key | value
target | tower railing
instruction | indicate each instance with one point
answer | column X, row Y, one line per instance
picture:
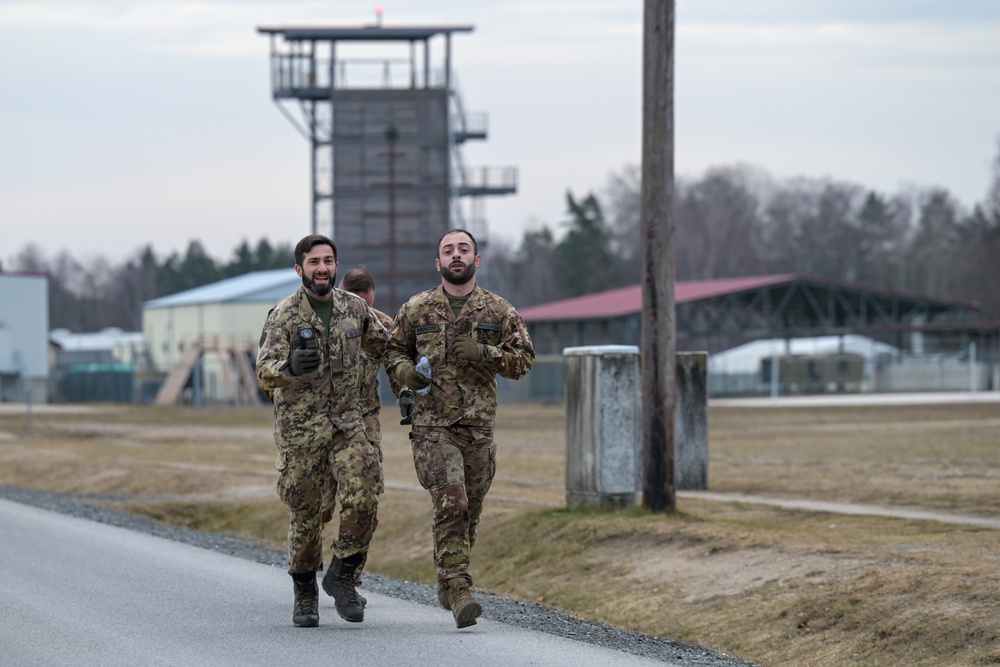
column 303, row 74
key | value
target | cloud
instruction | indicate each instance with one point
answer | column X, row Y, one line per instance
column 846, row 51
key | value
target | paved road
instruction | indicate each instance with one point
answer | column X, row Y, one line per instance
column 76, row 592
column 833, row 400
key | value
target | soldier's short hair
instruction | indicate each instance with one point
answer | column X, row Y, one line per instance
column 475, row 246
column 311, row 241
column 358, row 280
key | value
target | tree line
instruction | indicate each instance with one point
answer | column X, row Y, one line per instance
column 738, row 221
column 732, row 221
column 100, row 294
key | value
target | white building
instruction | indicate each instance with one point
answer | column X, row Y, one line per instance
column 218, row 323
column 109, row 345
column 24, row 340
column 739, row 369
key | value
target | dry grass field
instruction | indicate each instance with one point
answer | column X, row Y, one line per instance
column 773, row 586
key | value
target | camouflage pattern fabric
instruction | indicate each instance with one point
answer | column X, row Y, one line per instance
column 462, row 392
column 373, row 430
column 303, row 473
column 370, row 402
column 370, row 406
column 319, row 429
column 456, row 465
column 452, row 438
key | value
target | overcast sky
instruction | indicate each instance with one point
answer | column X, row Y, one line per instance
column 125, row 123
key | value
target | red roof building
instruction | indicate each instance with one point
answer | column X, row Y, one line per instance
column 715, row 315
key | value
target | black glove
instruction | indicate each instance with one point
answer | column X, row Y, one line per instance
column 465, row 348
column 414, row 380
column 304, row 361
column 406, row 403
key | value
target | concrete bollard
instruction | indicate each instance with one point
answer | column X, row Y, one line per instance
column 691, row 422
column 604, row 424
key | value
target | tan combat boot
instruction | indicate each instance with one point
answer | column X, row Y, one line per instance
column 443, row 595
column 464, row 607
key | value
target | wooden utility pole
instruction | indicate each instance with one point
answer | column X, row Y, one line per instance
column 659, row 492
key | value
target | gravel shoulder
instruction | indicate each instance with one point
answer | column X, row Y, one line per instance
column 520, row 613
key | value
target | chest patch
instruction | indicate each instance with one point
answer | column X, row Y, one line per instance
column 427, row 328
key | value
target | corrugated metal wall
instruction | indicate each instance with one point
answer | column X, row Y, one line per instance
column 24, row 336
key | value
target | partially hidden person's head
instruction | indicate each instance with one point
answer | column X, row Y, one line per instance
column 359, row 281
column 458, row 256
column 316, row 264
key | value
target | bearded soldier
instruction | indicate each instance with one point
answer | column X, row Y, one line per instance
column 310, row 361
column 469, row 335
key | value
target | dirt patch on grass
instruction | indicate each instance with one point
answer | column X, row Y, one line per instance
column 702, row 574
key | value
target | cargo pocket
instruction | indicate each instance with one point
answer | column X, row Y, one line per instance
column 429, row 460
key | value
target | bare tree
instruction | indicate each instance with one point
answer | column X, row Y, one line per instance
column 830, row 233
column 534, row 268
column 498, row 269
column 623, row 194
column 933, row 248
column 882, row 228
column 718, row 227
column 992, row 203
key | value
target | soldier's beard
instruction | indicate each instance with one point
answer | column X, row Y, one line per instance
column 459, row 277
column 319, row 290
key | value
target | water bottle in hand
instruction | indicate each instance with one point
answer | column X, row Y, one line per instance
column 424, row 368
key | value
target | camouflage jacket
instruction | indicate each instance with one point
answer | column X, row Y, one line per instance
column 370, row 401
column 309, row 407
column 461, row 392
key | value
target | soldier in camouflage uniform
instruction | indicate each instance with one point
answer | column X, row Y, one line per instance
column 310, row 361
column 360, row 282
column 469, row 335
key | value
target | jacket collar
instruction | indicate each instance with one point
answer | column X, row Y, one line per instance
column 338, row 301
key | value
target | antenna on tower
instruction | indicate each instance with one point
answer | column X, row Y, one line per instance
column 378, row 15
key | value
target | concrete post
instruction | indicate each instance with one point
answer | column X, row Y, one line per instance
column 691, row 421
column 604, row 424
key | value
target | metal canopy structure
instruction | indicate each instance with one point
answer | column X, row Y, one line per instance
column 713, row 314
column 802, row 306
column 382, row 112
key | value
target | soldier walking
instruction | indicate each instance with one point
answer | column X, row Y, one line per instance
column 310, row 361
column 469, row 335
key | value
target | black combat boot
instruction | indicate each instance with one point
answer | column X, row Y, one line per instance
column 357, row 584
column 305, row 613
column 338, row 582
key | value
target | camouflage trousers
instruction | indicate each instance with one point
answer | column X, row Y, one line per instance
column 456, row 464
column 374, row 431
column 304, row 472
